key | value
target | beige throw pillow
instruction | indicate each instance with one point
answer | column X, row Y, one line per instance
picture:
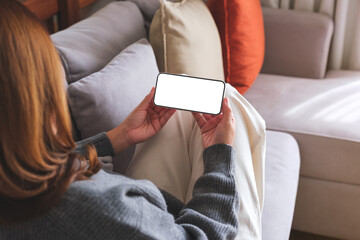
column 185, row 39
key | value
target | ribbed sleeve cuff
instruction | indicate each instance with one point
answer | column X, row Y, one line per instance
column 218, row 158
column 100, row 141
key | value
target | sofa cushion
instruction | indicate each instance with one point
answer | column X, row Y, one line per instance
column 282, row 163
column 327, row 208
column 101, row 101
column 185, row 39
column 87, row 46
column 297, row 42
column 323, row 116
column 148, row 9
column 241, row 29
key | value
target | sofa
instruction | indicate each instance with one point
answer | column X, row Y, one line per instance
column 296, row 93
column 88, row 46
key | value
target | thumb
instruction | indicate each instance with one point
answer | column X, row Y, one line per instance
column 147, row 100
column 227, row 111
column 151, row 94
column 226, row 107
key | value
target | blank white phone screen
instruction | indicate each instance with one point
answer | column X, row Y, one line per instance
column 189, row 93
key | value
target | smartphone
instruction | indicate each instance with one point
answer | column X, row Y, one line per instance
column 189, row 93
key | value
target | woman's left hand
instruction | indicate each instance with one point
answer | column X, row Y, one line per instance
column 143, row 122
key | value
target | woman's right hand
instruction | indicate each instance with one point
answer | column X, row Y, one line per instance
column 145, row 121
column 217, row 129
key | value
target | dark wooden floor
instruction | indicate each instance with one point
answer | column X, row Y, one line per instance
column 296, row 235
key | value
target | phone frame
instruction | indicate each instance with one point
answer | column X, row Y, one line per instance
column 183, row 75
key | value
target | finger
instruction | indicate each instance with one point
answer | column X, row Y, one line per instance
column 212, row 123
column 208, row 116
column 199, row 119
column 159, row 109
column 152, row 105
column 226, row 107
column 228, row 114
column 150, row 95
column 145, row 103
column 163, row 111
column 151, row 111
column 166, row 116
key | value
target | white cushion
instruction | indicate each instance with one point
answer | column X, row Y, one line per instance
column 186, row 40
column 323, row 116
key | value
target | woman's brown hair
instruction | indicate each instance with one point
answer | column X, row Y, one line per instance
column 36, row 160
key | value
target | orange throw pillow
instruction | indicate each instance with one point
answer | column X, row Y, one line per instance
column 241, row 27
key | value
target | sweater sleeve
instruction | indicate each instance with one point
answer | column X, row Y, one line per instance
column 213, row 210
column 174, row 205
column 114, row 207
column 100, row 141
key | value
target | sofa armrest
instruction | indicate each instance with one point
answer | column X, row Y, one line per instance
column 296, row 42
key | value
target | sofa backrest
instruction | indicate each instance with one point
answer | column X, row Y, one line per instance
column 87, row 46
column 147, row 8
column 296, row 42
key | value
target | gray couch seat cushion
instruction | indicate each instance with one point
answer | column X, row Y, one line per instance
column 282, row 163
column 87, row 46
column 101, row 101
column 323, row 116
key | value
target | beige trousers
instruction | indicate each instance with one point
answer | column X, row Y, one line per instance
column 173, row 160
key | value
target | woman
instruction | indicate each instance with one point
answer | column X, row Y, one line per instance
column 47, row 191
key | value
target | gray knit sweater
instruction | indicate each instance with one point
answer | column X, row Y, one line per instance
column 112, row 206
